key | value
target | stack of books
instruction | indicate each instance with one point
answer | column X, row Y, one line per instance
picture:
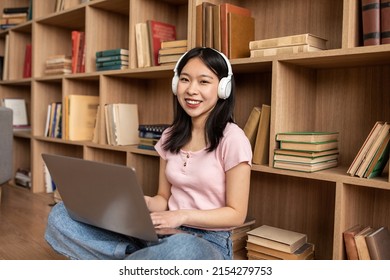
column 306, row 151
column 287, row 45
column 58, row 65
column 13, row 16
column 239, row 238
column 272, row 243
column 373, row 155
column 367, row 243
column 149, row 134
column 171, row 51
column 23, row 177
column 113, row 59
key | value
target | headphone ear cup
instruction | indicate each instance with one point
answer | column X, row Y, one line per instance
column 175, row 81
column 224, row 88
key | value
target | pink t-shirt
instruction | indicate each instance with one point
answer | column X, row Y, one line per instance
column 198, row 178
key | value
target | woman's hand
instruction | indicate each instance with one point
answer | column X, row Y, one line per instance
column 168, row 219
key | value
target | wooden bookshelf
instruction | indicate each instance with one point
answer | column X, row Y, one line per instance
column 342, row 89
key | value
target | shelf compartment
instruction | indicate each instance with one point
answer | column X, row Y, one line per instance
column 59, row 148
column 297, row 204
column 345, row 99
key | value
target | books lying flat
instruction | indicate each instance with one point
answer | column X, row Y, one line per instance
column 283, row 50
column 112, row 52
column 307, row 146
column 277, row 238
column 308, row 154
column 305, row 252
column 378, row 243
column 292, row 40
column 304, row 167
column 307, row 136
column 307, row 160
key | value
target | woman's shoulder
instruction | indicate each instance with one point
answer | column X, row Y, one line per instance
column 234, row 132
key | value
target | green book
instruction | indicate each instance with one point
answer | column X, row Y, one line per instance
column 112, row 52
column 112, row 58
column 112, row 67
column 380, row 160
column 110, row 63
column 307, row 136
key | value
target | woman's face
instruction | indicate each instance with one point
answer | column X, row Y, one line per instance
column 197, row 89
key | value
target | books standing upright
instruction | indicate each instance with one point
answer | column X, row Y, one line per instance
column 261, row 151
column 378, row 243
column 158, row 32
column 371, row 22
column 81, row 116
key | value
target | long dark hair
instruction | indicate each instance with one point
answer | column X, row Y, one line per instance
column 180, row 131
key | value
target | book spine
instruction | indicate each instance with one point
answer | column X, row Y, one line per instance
column 15, row 10
column 112, row 67
column 111, row 58
column 385, row 21
column 371, row 22
column 112, row 52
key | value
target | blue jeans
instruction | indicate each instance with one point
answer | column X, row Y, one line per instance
column 81, row 241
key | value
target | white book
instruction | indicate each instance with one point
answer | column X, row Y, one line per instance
column 18, row 106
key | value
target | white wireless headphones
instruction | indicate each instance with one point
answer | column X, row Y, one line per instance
column 224, row 86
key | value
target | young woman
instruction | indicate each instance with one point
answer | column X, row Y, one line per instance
column 205, row 162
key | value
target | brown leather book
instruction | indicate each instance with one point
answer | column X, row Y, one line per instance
column 385, row 21
column 349, row 242
column 241, row 31
column 371, row 22
column 378, row 244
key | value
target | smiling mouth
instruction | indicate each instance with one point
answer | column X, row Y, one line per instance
column 193, row 102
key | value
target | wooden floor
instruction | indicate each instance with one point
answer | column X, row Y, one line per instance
column 23, row 217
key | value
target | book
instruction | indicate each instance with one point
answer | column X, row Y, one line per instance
column 112, row 58
column 361, row 244
column 217, row 27
column 142, row 45
column 111, row 63
column 307, row 160
column 252, row 125
column 292, row 40
column 372, row 149
column 365, row 146
column 201, row 23
column 111, row 52
column 241, row 31
column 27, row 62
column 305, row 167
column 6, row 58
column 304, row 252
column 261, row 151
column 349, row 242
column 225, row 9
column 370, row 22
column 283, row 50
column 378, row 243
column 379, row 161
column 159, row 31
column 173, row 44
column 81, row 110
column 19, row 110
column 122, row 124
column 111, row 67
column 308, row 154
column 277, row 238
column 172, row 58
column 385, row 21
column 159, row 128
column 309, row 146
column 173, row 50
column 307, row 136
column 15, row 10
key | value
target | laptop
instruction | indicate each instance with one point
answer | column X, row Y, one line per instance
column 104, row 195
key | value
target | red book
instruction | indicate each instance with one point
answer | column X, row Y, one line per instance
column 158, row 32
column 385, row 21
column 27, row 62
column 75, row 49
column 371, row 22
column 227, row 8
